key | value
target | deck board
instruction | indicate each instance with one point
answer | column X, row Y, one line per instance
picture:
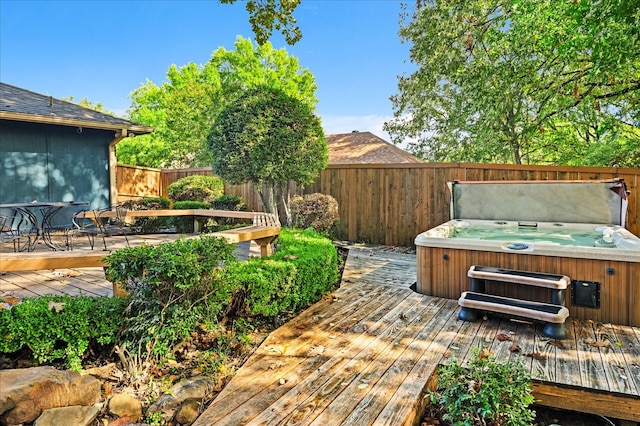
column 366, row 354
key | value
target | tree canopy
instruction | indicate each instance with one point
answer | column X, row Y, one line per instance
column 268, row 138
column 182, row 109
column 265, row 15
column 523, row 81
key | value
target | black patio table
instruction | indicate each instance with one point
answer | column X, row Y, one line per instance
column 42, row 223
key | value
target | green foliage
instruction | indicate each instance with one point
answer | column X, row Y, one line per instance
column 316, row 261
column 304, row 268
column 184, row 225
column 173, row 288
column 182, row 109
column 196, row 188
column 149, row 225
column 520, row 81
column 484, row 393
column 229, row 202
column 268, row 138
column 96, row 106
column 317, row 211
column 264, row 16
column 191, row 205
column 61, row 327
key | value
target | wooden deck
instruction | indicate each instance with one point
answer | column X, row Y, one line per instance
column 74, row 281
column 366, row 354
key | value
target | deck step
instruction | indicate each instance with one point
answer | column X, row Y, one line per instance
column 523, row 308
column 538, row 279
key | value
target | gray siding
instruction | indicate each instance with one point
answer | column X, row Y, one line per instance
column 53, row 163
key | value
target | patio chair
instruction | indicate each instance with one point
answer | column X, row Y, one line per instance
column 104, row 222
column 58, row 223
column 14, row 229
column 84, row 224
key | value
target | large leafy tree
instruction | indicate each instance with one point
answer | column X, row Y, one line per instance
column 523, row 81
column 268, row 138
column 182, row 109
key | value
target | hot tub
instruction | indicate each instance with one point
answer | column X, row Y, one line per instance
column 601, row 257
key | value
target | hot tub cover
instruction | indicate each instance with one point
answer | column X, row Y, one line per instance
column 599, row 201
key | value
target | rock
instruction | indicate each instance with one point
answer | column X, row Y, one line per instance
column 76, row 415
column 194, row 388
column 188, row 412
column 32, row 390
column 106, row 372
column 123, row 404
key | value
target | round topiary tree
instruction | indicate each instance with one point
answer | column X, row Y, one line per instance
column 268, row 138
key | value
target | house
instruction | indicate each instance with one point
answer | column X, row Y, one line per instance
column 365, row 148
column 52, row 150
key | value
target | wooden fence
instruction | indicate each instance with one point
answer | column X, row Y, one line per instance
column 392, row 203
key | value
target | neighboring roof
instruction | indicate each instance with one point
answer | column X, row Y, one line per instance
column 23, row 105
column 365, row 147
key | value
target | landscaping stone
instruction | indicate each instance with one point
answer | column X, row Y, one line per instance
column 188, row 412
column 33, row 390
column 123, row 404
column 194, row 388
column 76, row 415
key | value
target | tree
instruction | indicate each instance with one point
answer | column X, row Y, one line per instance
column 265, row 15
column 182, row 109
column 268, row 138
column 85, row 102
column 501, row 81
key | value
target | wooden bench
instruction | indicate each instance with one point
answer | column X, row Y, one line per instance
column 264, row 231
column 554, row 313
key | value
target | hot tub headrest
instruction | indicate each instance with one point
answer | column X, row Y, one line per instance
column 545, row 201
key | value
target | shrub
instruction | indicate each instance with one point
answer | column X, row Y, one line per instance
column 317, row 211
column 191, row 205
column 150, row 224
column 485, row 393
column 304, row 267
column 196, row 188
column 173, row 287
column 229, row 202
column 60, row 327
column 184, row 225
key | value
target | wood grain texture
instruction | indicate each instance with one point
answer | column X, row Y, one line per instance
column 366, row 355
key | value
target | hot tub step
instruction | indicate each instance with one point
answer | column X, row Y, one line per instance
column 553, row 315
column 538, row 279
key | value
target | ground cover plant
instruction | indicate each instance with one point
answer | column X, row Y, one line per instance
column 484, row 392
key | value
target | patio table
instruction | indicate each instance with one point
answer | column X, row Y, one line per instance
column 40, row 214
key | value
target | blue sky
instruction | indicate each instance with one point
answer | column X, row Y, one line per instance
column 103, row 50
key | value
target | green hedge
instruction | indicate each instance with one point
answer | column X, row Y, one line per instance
column 173, row 289
column 60, row 327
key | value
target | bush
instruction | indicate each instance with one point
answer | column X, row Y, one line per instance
column 229, row 202
column 173, row 287
column 61, row 327
column 150, row 224
column 196, row 188
column 317, row 211
column 184, row 225
column 485, row 393
column 304, row 267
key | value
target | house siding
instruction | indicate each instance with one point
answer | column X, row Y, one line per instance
column 53, row 163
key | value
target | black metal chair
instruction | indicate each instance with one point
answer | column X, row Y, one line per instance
column 104, row 222
column 58, row 223
column 15, row 229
